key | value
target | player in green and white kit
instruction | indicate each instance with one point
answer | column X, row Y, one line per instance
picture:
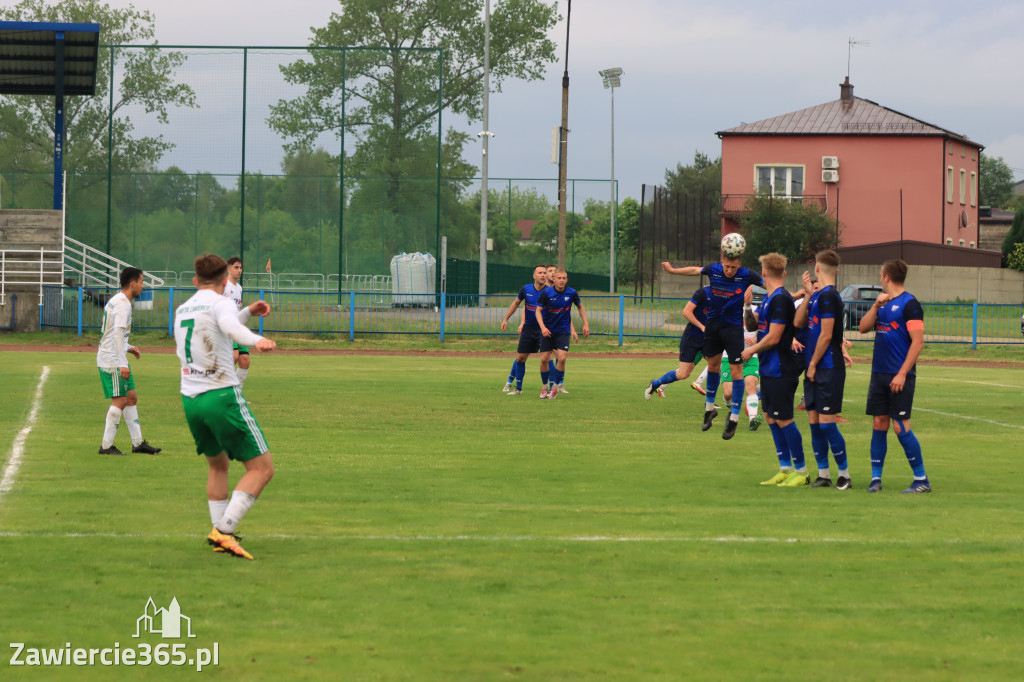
column 220, row 421
column 115, row 374
column 233, row 290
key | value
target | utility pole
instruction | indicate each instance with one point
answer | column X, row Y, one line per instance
column 563, row 134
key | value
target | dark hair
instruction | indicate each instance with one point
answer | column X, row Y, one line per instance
column 210, row 269
column 828, row 258
column 895, row 270
column 233, row 260
column 129, row 275
column 540, row 265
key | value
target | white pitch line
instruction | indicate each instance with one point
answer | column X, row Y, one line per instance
column 973, row 419
column 18, row 449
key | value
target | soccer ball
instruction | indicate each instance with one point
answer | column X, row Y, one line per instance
column 733, row 244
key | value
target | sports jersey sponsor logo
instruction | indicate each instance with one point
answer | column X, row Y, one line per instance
column 189, row 371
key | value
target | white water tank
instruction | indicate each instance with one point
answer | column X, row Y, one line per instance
column 412, row 279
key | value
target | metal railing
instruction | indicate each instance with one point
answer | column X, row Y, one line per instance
column 33, row 267
column 92, row 267
column 369, row 313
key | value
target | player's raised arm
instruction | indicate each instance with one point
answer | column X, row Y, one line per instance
column 691, row 270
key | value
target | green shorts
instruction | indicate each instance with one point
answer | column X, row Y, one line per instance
column 220, row 421
column 242, row 350
column 751, row 368
column 113, row 385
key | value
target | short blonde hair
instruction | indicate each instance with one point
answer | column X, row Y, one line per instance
column 774, row 264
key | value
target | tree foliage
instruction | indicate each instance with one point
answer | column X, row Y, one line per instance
column 147, row 82
column 703, row 176
column 787, row 227
column 392, row 99
column 995, row 182
column 1015, row 259
column 1015, row 236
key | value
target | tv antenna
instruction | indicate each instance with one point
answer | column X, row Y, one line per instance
column 853, row 42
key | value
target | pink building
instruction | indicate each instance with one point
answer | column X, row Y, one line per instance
column 886, row 176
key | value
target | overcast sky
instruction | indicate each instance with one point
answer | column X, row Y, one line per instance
column 693, row 68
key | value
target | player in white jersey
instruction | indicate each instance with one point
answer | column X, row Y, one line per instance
column 233, row 290
column 115, row 374
column 220, row 421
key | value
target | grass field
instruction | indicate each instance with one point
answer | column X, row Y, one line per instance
column 424, row 526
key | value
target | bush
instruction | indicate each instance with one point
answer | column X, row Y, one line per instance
column 777, row 225
column 1015, row 259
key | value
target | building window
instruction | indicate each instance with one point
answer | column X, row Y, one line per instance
column 962, row 242
column 963, row 187
column 949, row 184
column 949, row 148
column 963, row 151
column 974, row 188
column 972, row 245
column 782, row 181
column 949, row 241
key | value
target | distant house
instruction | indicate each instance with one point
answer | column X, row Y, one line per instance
column 525, row 227
column 994, row 224
column 885, row 176
column 1018, row 187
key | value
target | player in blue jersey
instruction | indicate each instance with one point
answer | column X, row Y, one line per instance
column 825, row 374
column 554, row 315
column 691, row 344
column 779, row 372
column 724, row 331
column 529, row 331
column 898, row 320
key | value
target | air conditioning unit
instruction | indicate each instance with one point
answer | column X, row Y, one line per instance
column 831, row 162
column 830, row 176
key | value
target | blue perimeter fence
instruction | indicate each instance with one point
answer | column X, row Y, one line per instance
column 353, row 314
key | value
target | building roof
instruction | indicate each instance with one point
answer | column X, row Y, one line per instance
column 525, row 228
column 847, row 115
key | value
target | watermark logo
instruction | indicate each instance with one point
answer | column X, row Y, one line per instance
column 169, row 623
column 164, row 622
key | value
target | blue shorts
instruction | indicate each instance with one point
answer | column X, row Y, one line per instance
column 777, row 396
column 691, row 349
column 555, row 342
column 824, row 395
column 882, row 402
column 721, row 337
column 529, row 340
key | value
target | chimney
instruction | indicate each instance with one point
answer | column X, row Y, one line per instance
column 846, row 90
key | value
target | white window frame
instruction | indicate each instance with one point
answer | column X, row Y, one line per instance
column 963, row 187
column 949, row 184
column 974, row 188
column 788, row 193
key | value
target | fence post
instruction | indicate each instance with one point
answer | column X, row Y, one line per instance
column 622, row 316
column 170, row 311
column 81, row 298
column 444, row 305
column 352, row 315
column 261, row 316
column 974, row 334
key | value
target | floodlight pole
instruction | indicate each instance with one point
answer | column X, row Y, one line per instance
column 563, row 134
column 58, row 120
column 612, row 79
column 486, row 135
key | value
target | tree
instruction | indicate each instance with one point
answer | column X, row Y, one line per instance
column 392, row 96
column 702, row 176
column 1015, row 236
column 995, row 182
column 787, row 227
column 147, row 82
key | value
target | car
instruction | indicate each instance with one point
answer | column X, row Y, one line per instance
column 857, row 300
column 1022, row 324
column 758, row 294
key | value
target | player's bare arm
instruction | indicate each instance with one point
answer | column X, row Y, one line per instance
column 867, row 323
column 916, row 330
column 824, row 338
column 259, row 309
column 135, row 351
column 690, row 270
column 540, row 320
column 508, row 315
column 586, row 324
column 688, row 313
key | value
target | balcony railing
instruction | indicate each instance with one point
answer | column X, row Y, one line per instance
column 734, row 205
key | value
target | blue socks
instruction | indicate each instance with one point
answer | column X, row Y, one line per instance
column 512, row 372
column 878, row 448
column 781, row 448
column 520, row 372
column 830, row 432
column 544, row 372
column 913, row 450
column 667, row 378
column 714, row 378
column 819, row 445
column 737, row 395
column 796, row 445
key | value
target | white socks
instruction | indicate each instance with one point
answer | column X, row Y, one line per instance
column 131, row 418
column 240, row 504
column 752, row 403
column 241, row 374
column 217, row 508
column 110, row 429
